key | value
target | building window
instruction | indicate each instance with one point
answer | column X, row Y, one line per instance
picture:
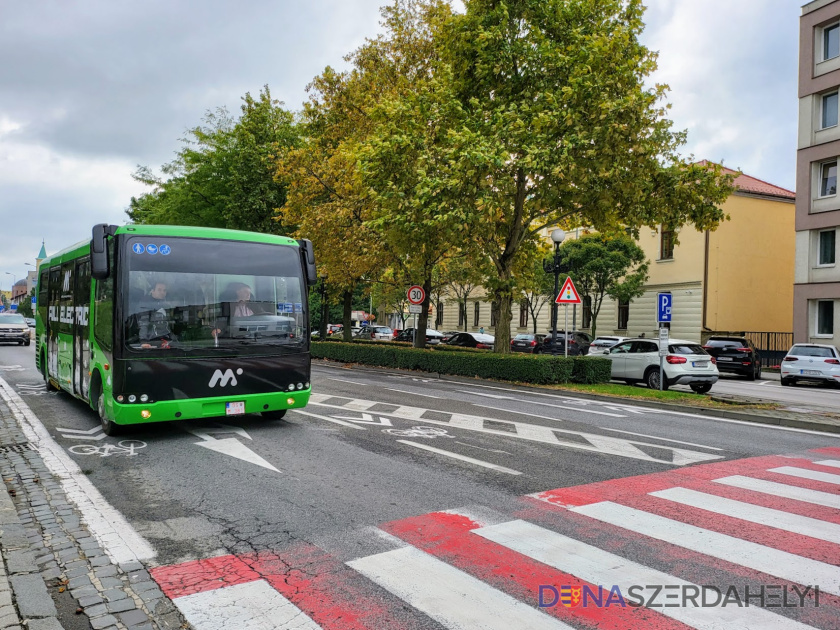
column 829, row 110
column 439, row 317
column 494, row 313
column 587, row 311
column 476, row 313
column 623, row 314
column 523, row 314
column 825, row 317
column 666, row 244
column 828, row 247
column 831, row 42
column 462, row 314
column 828, row 179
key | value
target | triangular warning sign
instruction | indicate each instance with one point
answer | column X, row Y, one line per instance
column 568, row 294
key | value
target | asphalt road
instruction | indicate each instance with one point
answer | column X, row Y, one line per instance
column 382, row 464
column 802, row 394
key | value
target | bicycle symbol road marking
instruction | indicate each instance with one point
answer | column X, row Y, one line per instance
column 128, row 448
column 422, row 432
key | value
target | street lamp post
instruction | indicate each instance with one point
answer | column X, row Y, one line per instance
column 554, row 266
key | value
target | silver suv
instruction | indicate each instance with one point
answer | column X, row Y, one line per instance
column 13, row 328
column 687, row 363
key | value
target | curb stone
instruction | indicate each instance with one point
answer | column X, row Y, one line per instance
column 46, row 546
column 773, row 417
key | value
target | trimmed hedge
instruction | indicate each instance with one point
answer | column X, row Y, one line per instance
column 591, row 370
column 525, row 368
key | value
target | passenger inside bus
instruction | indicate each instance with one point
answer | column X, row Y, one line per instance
column 153, row 322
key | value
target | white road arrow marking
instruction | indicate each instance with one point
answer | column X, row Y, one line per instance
column 12, row 368
column 367, row 419
column 95, row 434
column 217, row 427
column 235, row 448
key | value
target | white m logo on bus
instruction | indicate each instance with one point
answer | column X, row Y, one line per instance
column 66, row 281
column 224, row 378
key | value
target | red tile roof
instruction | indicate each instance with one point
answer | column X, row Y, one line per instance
column 756, row 186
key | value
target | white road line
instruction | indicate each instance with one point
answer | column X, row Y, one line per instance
column 829, row 462
column 656, row 437
column 804, row 473
column 341, row 380
column 521, row 413
column 489, row 450
column 463, row 458
column 253, row 605
column 782, row 490
column 110, row 528
column 328, row 419
column 780, row 564
column 464, row 391
column 596, row 566
column 451, row 597
column 402, row 391
column 559, row 406
column 777, row 519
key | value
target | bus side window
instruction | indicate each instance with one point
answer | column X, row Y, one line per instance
column 103, row 311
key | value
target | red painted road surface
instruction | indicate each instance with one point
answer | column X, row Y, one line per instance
column 766, row 521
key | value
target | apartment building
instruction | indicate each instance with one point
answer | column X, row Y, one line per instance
column 816, row 296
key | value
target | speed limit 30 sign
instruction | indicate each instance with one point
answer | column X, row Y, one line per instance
column 416, row 294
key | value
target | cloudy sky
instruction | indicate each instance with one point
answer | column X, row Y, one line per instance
column 91, row 89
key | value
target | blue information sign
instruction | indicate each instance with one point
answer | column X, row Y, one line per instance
column 665, row 302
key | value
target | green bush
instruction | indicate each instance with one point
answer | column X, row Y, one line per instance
column 523, row 368
column 591, row 370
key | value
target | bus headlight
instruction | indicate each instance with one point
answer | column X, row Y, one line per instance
column 120, row 398
column 291, row 387
column 306, row 385
column 144, row 398
column 132, row 398
column 300, row 386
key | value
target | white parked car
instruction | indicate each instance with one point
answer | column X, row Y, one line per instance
column 381, row 332
column 811, row 362
column 637, row 361
column 600, row 345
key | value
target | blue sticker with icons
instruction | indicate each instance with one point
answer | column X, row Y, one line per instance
column 151, row 249
column 165, row 250
column 288, row 307
column 138, row 248
column 298, row 307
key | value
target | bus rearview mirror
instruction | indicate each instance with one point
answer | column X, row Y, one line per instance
column 100, row 267
column 307, row 254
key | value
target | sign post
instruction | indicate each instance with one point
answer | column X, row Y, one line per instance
column 664, row 302
column 568, row 295
column 416, row 295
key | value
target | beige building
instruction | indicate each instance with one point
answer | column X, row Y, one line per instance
column 816, row 304
column 738, row 278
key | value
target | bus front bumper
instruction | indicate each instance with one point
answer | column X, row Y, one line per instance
column 194, row 408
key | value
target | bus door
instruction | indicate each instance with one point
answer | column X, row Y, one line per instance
column 81, row 338
column 65, row 325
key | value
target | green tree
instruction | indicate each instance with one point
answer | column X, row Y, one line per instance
column 605, row 266
column 563, row 131
column 224, row 176
column 537, row 290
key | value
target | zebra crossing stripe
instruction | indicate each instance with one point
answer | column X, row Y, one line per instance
column 781, row 564
column 253, row 605
column 817, row 497
column 451, row 597
column 831, row 463
column 778, row 519
column 805, row 473
column 601, row 567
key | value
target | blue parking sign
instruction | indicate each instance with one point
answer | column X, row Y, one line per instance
column 665, row 302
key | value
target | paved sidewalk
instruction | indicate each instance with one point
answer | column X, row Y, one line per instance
column 54, row 574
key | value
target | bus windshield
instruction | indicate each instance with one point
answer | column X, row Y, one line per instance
column 188, row 295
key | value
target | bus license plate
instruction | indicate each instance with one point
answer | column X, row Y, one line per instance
column 234, row 408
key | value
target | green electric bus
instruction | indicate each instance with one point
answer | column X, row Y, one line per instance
column 155, row 323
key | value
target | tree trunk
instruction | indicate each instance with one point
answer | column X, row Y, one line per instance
column 423, row 320
column 504, row 298
column 348, row 313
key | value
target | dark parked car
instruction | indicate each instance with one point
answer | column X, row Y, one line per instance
column 737, row 355
column 448, row 334
column 432, row 336
column 526, row 342
column 578, row 343
column 472, row 340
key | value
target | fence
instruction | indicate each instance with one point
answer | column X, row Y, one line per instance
column 772, row 346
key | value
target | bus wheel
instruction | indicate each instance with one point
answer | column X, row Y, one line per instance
column 108, row 427
column 277, row 414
